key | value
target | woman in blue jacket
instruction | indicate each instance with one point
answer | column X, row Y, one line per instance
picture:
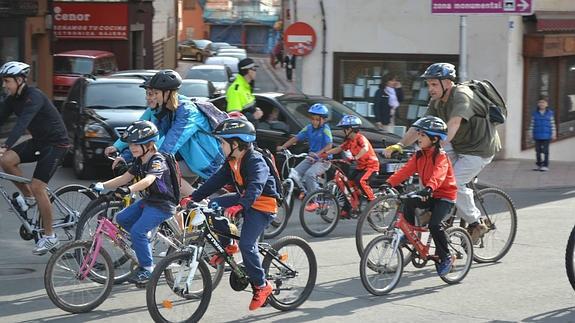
column 184, row 130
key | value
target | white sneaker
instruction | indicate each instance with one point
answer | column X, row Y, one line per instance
column 45, row 244
column 544, row 169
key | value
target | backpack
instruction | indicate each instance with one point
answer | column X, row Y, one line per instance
column 214, row 115
column 271, row 162
column 497, row 109
column 175, row 174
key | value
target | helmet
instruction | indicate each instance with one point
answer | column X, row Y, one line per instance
column 236, row 128
column 14, row 69
column 146, row 83
column 236, row 115
column 432, row 126
column 440, row 71
column 140, row 132
column 165, row 80
column 349, row 121
column 319, row 109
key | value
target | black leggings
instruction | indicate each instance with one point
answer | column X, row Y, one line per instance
column 439, row 210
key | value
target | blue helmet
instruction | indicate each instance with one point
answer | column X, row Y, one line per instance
column 236, row 128
column 432, row 126
column 440, row 71
column 349, row 121
column 140, row 132
column 319, row 109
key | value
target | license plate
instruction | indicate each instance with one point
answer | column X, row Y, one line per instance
column 392, row 167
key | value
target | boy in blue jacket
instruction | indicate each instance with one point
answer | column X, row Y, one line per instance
column 543, row 130
column 255, row 197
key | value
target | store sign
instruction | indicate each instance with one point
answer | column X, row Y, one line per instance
column 470, row 7
column 75, row 20
column 299, row 38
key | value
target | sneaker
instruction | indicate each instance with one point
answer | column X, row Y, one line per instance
column 311, row 207
column 45, row 244
column 445, row 266
column 141, row 277
column 544, row 169
column 538, row 168
column 344, row 215
column 477, row 230
column 260, row 296
column 217, row 259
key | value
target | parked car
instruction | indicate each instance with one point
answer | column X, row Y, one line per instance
column 142, row 74
column 293, row 116
column 220, row 75
column 194, row 49
column 68, row 66
column 231, row 62
column 199, row 90
column 231, row 50
column 96, row 112
column 237, row 55
column 214, row 47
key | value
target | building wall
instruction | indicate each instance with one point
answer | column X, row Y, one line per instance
column 165, row 30
column 192, row 24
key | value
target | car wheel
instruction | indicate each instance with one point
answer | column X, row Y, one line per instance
column 199, row 57
column 81, row 168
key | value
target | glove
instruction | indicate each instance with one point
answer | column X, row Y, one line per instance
column 233, row 211
column 98, row 187
column 186, row 201
column 123, row 191
column 397, row 147
column 425, row 193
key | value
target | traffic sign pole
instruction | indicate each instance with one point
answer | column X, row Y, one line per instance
column 462, row 48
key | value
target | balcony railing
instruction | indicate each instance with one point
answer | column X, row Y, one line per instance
column 18, row 7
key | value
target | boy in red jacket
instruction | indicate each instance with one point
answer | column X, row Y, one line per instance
column 436, row 175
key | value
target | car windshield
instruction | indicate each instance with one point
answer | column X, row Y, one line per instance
column 214, row 75
column 202, row 43
column 126, row 95
column 298, row 108
column 73, row 65
column 194, row 90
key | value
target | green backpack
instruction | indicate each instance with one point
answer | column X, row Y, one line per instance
column 497, row 109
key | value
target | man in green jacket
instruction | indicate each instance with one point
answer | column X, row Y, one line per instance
column 239, row 94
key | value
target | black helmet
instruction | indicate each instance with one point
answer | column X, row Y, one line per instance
column 236, row 128
column 432, row 126
column 165, row 80
column 440, row 71
column 140, row 132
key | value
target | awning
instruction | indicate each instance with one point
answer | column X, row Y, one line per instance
column 555, row 21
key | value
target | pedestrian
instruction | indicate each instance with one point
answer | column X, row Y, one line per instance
column 277, row 54
column 542, row 130
column 387, row 100
column 289, row 63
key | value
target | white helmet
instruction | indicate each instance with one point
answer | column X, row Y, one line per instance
column 14, row 68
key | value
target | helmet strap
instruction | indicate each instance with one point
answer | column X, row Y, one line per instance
column 20, row 86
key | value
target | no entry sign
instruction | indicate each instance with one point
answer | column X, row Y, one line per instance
column 299, row 38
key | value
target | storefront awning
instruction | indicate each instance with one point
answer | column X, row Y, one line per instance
column 555, row 21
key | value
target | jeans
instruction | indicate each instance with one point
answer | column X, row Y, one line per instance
column 465, row 168
column 542, row 147
column 138, row 219
column 255, row 222
column 309, row 170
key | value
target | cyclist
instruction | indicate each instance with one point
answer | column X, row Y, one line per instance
column 436, row 176
column 48, row 145
column 471, row 140
column 255, row 197
column 184, row 130
column 362, row 153
column 239, row 95
column 318, row 134
column 158, row 201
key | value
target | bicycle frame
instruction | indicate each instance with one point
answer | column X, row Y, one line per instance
column 410, row 231
column 346, row 186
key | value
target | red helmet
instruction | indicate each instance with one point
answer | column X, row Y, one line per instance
column 236, row 115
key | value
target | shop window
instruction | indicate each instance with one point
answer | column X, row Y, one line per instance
column 357, row 76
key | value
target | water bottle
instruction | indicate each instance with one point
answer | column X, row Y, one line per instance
column 22, row 206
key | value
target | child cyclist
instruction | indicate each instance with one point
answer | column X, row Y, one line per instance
column 436, row 175
column 362, row 152
column 158, row 201
column 255, row 197
column 318, row 135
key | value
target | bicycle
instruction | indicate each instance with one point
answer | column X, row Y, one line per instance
column 181, row 280
column 67, row 203
column 382, row 262
column 87, row 262
column 570, row 258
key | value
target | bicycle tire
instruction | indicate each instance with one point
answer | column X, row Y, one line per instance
column 371, row 261
column 52, row 265
column 481, row 250
column 460, row 248
column 378, row 224
column 279, row 279
column 279, row 223
column 328, row 202
column 155, row 309
column 570, row 258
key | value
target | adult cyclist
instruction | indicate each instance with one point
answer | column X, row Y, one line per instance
column 48, row 145
column 471, row 140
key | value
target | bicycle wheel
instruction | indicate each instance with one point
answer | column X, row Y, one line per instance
column 460, row 246
column 75, row 201
column 182, row 299
column 63, row 282
column 279, row 223
column 381, row 267
column 314, row 221
column 87, row 226
column 293, row 276
column 570, row 258
column 374, row 220
column 501, row 224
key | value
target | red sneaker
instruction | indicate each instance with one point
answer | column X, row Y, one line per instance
column 217, row 259
column 311, row 207
column 260, row 296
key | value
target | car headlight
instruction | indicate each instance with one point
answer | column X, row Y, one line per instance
column 94, row 130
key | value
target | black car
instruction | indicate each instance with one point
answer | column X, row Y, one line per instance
column 293, row 116
column 96, row 112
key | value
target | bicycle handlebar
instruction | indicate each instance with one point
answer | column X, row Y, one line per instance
column 288, row 154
